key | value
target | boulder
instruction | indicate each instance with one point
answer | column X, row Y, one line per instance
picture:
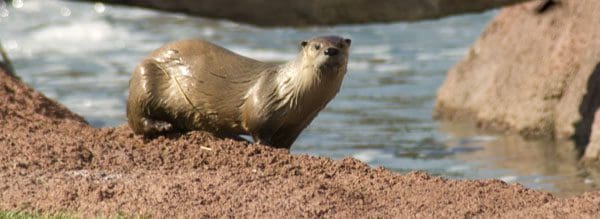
column 534, row 72
column 318, row 12
column 593, row 149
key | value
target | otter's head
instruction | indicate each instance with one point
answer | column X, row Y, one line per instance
column 327, row 54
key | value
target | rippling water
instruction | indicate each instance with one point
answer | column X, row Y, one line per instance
column 82, row 54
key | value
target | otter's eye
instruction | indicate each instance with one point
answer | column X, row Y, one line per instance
column 317, row 47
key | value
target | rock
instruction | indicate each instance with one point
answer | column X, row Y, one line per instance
column 318, row 12
column 593, row 149
column 534, row 72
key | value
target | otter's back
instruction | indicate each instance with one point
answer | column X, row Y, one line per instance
column 212, row 79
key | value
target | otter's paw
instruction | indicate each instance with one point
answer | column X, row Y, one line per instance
column 155, row 126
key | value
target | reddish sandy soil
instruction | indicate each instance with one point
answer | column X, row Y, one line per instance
column 52, row 160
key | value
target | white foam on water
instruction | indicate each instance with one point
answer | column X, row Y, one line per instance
column 508, row 178
column 4, row 13
column 94, row 107
column 65, row 11
column 458, row 168
column 391, row 67
column 442, row 55
column 99, row 7
column 370, row 49
column 17, row 3
column 355, row 65
column 448, row 30
column 208, row 32
column 11, row 45
column 77, row 37
column 30, row 6
column 367, row 155
column 383, row 56
column 483, row 138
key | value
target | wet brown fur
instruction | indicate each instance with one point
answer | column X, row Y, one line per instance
column 196, row 85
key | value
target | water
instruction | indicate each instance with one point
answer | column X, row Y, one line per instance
column 82, row 54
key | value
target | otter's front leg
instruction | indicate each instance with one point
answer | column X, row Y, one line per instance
column 263, row 128
column 264, row 137
column 286, row 136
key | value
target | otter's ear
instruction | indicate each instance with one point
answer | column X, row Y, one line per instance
column 348, row 41
column 303, row 43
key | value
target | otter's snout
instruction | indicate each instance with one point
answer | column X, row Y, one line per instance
column 332, row 51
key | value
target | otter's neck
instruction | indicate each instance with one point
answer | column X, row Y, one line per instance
column 300, row 82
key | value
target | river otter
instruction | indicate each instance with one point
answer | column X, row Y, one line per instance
column 196, row 85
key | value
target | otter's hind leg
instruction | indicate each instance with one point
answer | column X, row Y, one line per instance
column 152, row 126
column 143, row 107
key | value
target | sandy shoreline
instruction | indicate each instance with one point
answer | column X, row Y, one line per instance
column 51, row 160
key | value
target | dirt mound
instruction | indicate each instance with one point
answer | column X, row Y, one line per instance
column 51, row 160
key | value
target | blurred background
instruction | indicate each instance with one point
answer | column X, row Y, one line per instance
column 82, row 54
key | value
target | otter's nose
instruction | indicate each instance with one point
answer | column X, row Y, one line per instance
column 331, row 51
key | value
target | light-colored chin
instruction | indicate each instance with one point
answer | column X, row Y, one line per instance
column 332, row 65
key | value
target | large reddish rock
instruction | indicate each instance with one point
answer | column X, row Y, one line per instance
column 592, row 151
column 531, row 72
